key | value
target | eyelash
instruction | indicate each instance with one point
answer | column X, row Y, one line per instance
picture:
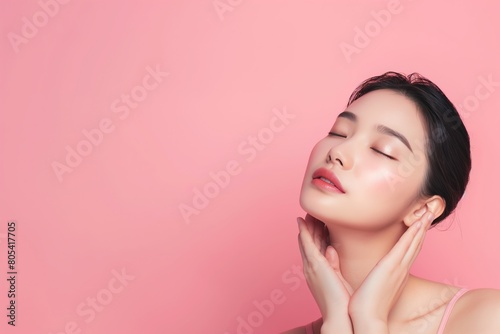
column 337, row 135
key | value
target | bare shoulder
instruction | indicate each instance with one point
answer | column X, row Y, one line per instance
column 477, row 311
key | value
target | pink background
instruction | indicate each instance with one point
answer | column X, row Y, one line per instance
column 229, row 73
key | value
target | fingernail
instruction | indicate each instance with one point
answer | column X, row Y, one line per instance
column 431, row 217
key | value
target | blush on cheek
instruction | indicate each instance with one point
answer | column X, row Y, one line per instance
column 392, row 180
column 383, row 181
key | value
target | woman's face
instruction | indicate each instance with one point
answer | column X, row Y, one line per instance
column 379, row 190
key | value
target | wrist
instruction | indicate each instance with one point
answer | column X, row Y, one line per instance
column 367, row 321
column 337, row 326
column 368, row 325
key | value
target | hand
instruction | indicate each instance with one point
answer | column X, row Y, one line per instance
column 380, row 290
column 321, row 269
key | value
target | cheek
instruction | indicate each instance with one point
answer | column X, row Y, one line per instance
column 382, row 179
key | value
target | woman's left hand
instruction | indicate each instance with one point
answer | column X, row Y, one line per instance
column 375, row 297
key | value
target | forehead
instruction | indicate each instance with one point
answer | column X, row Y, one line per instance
column 392, row 109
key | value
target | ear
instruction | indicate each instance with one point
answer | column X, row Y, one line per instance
column 435, row 204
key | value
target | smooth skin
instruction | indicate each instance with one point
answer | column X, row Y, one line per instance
column 370, row 304
column 476, row 312
column 357, row 247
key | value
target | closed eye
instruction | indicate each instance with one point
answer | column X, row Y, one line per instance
column 342, row 136
column 336, row 135
column 384, row 154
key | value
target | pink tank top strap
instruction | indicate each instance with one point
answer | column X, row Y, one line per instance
column 309, row 328
column 449, row 308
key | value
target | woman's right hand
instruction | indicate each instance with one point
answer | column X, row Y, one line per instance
column 324, row 279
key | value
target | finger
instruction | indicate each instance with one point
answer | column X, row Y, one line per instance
column 333, row 260
column 301, row 247
column 414, row 247
column 307, row 224
column 401, row 247
column 316, row 234
column 316, row 230
column 332, row 257
column 319, row 236
column 308, row 247
column 421, row 237
column 305, row 227
column 324, row 235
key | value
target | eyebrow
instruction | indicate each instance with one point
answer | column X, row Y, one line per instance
column 380, row 128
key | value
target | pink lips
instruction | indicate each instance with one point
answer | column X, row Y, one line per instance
column 328, row 175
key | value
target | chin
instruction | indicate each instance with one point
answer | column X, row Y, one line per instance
column 320, row 209
column 312, row 208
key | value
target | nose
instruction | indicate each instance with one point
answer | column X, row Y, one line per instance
column 337, row 157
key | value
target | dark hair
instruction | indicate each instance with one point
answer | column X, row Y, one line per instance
column 447, row 144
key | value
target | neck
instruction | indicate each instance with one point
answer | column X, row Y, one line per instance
column 360, row 250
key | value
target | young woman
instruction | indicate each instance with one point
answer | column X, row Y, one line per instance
column 395, row 163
